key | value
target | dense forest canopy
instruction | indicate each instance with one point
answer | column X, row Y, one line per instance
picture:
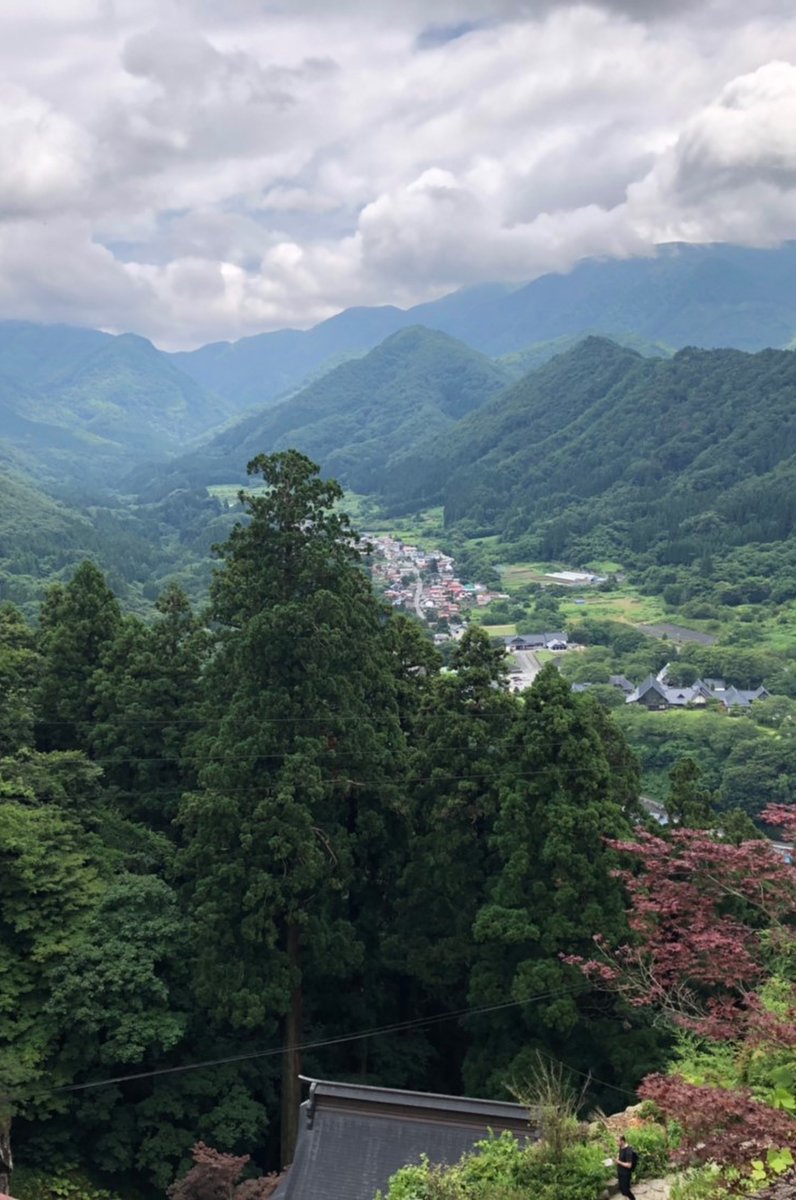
column 280, row 822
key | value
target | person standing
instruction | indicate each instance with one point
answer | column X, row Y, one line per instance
column 625, row 1162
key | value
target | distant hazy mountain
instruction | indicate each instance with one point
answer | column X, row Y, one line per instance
column 76, row 402
column 36, row 355
column 359, row 419
column 257, row 370
column 707, row 296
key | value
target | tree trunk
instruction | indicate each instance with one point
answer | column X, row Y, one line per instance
column 291, row 1057
column 6, row 1159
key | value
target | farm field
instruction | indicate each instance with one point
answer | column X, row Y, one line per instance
column 508, row 629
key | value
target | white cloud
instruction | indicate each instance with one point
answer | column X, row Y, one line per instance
column 731, row 174
column 45, row 158
column 194, row 169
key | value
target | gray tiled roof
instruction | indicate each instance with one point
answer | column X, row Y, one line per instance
column 353, row 1138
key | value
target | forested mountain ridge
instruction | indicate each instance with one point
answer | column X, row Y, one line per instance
column 703, row 295
column 602, row 452
column 359, row 419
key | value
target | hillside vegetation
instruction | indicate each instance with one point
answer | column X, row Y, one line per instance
column 604, row 454
column 359, row 419
column 75, row 403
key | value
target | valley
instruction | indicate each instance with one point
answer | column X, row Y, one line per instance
column 272, row 727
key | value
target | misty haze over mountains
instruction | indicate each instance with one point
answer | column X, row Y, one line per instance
column 77, row 402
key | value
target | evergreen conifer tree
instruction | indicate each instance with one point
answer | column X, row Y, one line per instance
column 295, row 820
column 76, row 624
column 559, row 798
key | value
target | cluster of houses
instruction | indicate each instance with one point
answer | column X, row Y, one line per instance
column 423, row 582
column 656, row 694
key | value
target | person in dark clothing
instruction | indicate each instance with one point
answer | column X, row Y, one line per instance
column 625, row 1164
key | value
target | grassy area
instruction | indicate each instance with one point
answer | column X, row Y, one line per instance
column 604, row 566
column 625, row 604
column 227, row 493
column 773, row 631
column 508, row 630
column 514, row 575
column 424, row 528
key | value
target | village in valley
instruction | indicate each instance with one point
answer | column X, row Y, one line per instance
column 425, row 582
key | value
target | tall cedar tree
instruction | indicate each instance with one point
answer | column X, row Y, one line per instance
column 76, row 624
column 562, row 792
column 293, row 829
column 458, row 753
column 145, row 696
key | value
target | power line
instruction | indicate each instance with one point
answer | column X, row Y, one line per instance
column 274, row 1051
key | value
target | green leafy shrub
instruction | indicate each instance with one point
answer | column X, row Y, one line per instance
column 712, row 1182
column 654, row 1146
column 503, row 1169
column 68, row 1183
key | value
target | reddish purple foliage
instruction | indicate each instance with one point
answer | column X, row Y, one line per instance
column 705, row 915
column 718, row 1124
column 707, row 919
column 214, row 1176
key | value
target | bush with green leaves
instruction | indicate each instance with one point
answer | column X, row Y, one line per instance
column 69, row 1183
column 503, row 1168
column 653, row 1144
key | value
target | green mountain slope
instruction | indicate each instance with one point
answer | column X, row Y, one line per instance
column 38, row 536
column 603, row 451
column 37, row 355
column 128, row 392
column 359, row 420
column 94, row 408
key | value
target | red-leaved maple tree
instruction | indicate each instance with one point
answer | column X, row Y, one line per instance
column 215, row 1176
column 711, row 922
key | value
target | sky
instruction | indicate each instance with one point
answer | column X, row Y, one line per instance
column 198, row 170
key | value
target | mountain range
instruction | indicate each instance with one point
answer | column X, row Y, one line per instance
column 358, row 420
column 600, row 452
column 708, row 296
column 497, row 402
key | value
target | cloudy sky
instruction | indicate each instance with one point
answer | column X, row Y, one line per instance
column 203, row 169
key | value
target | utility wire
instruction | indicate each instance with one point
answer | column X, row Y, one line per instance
column 379, row 1031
